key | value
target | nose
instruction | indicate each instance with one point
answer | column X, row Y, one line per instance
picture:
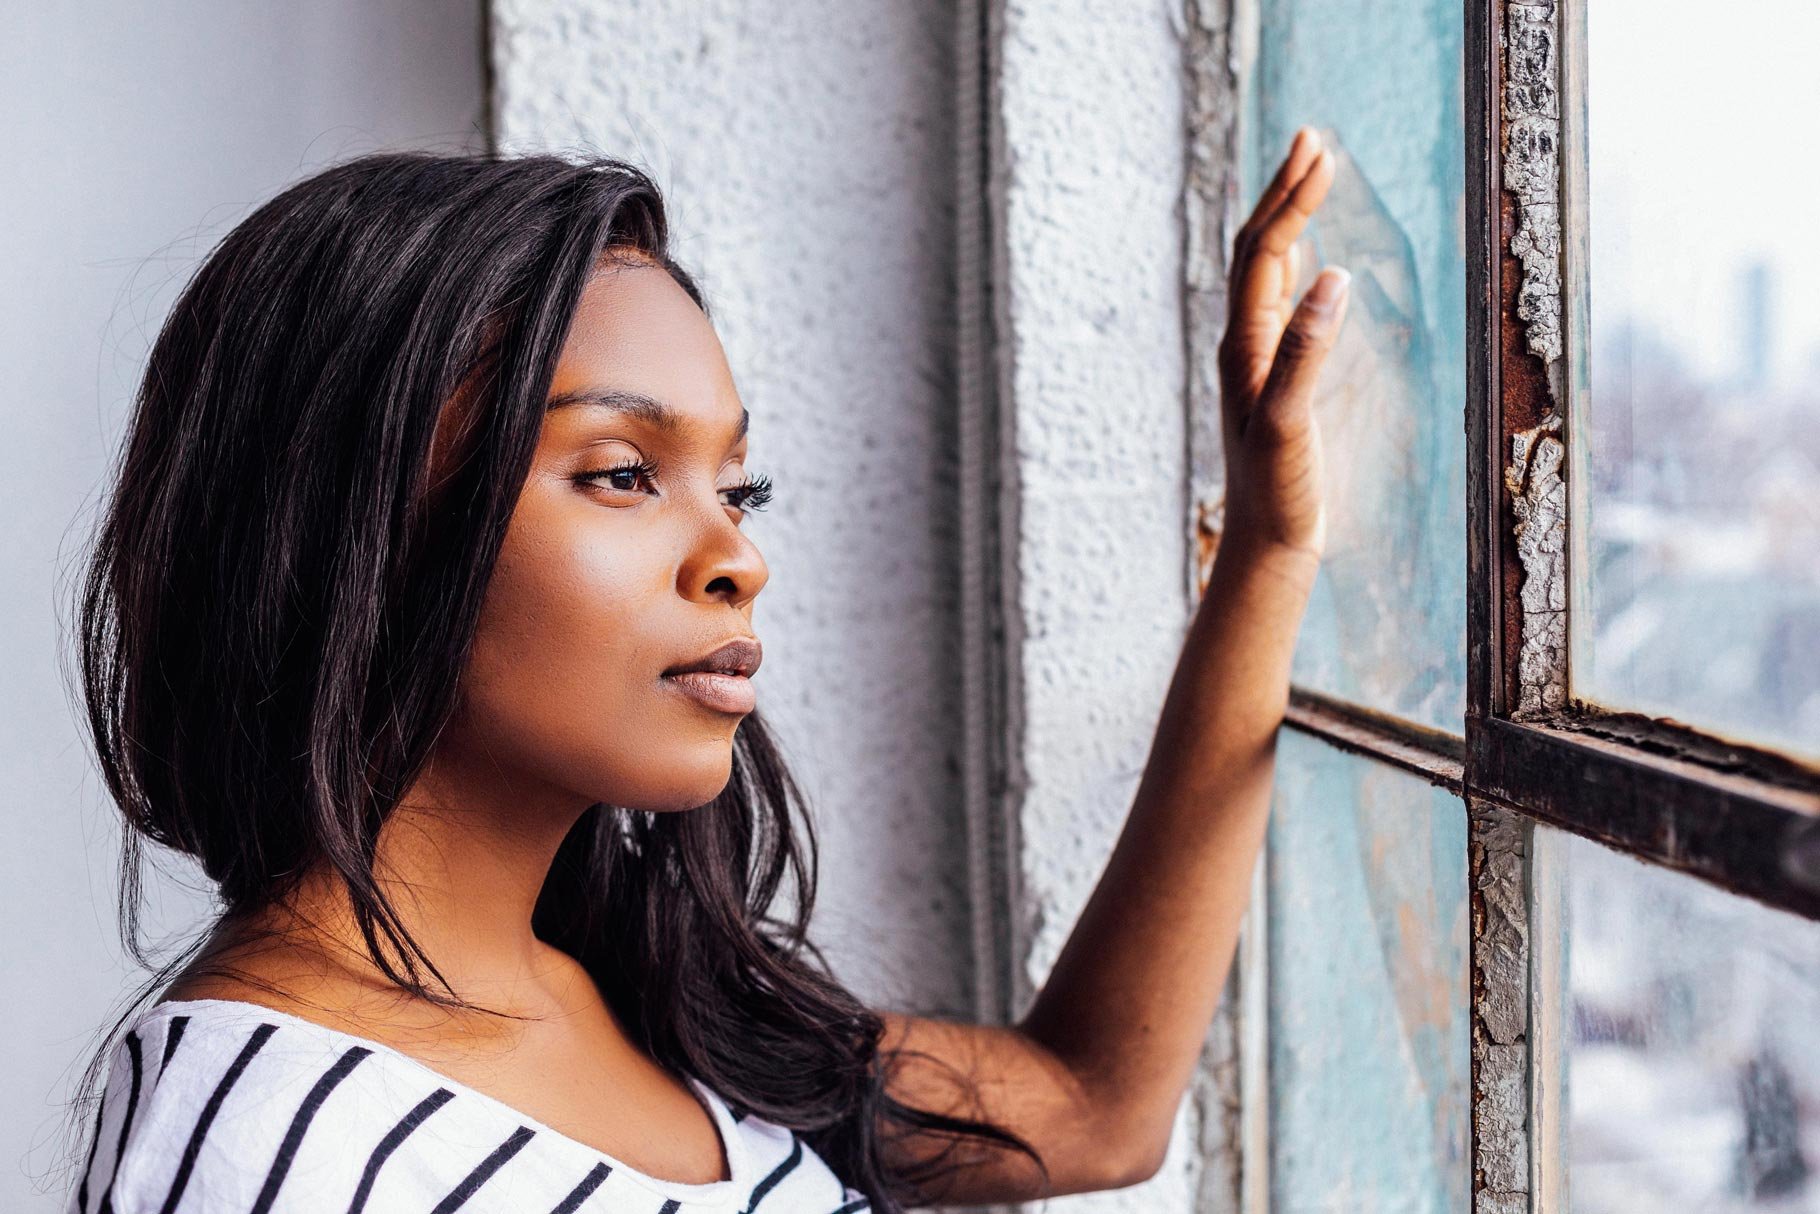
column 723, row 564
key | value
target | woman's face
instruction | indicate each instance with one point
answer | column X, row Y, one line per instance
column 624, row 559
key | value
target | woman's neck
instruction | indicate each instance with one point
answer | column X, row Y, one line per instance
column 462, row 876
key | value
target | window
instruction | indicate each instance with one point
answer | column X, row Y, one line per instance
column 1537, row 931
column 1686, row 1049
column 1697, row 374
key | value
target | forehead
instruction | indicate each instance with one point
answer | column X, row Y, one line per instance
column 637, row 331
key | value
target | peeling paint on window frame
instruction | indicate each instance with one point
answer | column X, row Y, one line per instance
column 1230, row 1085
column 1535, row 476
column 1725, row 812
column 1499, row 843
column 1743, row 818
column 1739, row 817
column 1536, row 482
column 1532, row 169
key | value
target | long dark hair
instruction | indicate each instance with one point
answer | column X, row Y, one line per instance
column 278, row 606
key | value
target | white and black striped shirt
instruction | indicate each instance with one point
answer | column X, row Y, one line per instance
column 217, row 1105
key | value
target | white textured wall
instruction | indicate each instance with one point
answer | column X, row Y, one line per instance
column 1090, row 179
column 806, row 153
column 1093, row 356
column 135, row 137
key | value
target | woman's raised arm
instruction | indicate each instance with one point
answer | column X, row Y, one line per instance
column 1094, row 1072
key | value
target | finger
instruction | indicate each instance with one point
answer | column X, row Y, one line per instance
column 1303, row 149
column 1284, row 225
column 1262, row 282
column 1260, row 278
column 1289, row 389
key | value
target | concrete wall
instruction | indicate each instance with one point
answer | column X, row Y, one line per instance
column 1088, row 184
column 135, row 136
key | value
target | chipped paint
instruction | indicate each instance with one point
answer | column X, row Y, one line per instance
column 1214, row 67
column 1227, row 1114
column 990, row 628
column 1209, row 526
column 1532, row 170
column 1538, row 495
column 1498, row 848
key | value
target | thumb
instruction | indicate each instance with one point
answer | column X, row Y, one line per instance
column 1310, row 334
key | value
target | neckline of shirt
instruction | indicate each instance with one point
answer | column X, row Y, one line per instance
column 713, row 1194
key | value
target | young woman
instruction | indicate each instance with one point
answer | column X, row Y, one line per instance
column 421, row 616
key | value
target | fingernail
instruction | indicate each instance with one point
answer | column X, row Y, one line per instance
column 1329, row 286
column 1305, row 133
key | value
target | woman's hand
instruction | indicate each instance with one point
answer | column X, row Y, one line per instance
column 1268, row 361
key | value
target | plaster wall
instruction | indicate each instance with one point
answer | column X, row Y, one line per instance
column 1089, row 176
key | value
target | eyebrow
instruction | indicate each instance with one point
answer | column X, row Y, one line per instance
column 638, row 405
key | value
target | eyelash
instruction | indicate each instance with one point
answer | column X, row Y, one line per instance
column 754, row 492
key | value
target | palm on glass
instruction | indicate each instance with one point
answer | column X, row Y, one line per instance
column 1269, row 359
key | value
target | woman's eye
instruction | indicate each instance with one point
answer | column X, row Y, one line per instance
column 625, row 476
column 640, row 475
column 750, row 494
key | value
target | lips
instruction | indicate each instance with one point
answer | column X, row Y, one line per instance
column 739, row 656
column 719, row 680
column 719, row 692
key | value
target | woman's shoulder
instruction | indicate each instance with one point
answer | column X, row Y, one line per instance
column 215, row 1104
column 212, row 1104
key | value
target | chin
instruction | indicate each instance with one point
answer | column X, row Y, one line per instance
column 690, row 780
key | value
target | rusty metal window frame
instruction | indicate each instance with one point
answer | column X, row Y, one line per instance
column 1743, row 818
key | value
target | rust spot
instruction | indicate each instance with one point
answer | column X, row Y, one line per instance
column 1528, row 341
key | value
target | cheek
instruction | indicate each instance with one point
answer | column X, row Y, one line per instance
column 567, row 606
column 562, row 680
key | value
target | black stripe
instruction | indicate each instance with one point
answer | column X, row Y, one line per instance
column 300, row 1124
column 778, row 1173
column 397, row 1134
column 173, row 1033
column 82, row 1190
column 126, row 1123
column 853, row 1206
column 669, row 1207
column 482, row 1173
column 580, row 1193
column 193, row 1147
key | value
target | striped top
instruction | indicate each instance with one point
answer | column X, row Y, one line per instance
column 216, row 1105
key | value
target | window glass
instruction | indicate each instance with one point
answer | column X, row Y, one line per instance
column 1387, row 623
column 1692, row 1044
column 1369, row 1047
column 1701, row 501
